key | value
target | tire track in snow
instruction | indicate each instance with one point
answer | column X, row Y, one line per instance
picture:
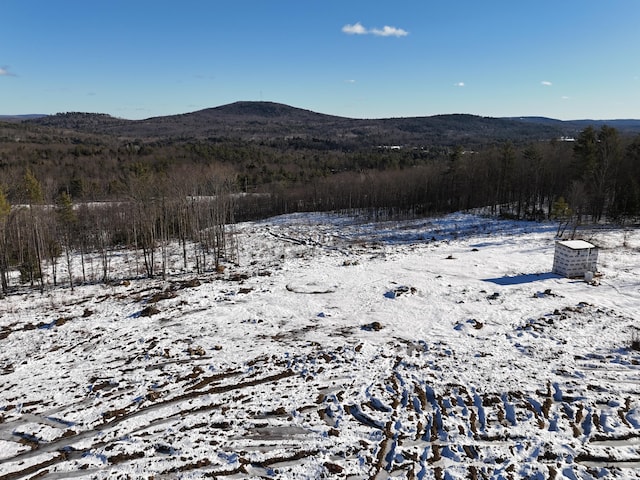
column 64, row 444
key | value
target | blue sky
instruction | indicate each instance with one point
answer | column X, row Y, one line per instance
column 565, row 59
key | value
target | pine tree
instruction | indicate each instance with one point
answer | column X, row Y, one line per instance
column 562, row 212
column 33, row 188
column 35, row 197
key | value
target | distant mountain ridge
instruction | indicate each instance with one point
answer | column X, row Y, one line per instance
column 622, row 124
column 272, row 122
column 20, row 118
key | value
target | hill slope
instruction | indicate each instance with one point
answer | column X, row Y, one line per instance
column 267, row 121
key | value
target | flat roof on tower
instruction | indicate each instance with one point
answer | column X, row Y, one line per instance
column 576, row 244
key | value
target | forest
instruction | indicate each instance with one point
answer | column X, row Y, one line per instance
column 69, row 197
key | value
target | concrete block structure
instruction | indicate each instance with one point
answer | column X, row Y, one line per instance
column 574, row 258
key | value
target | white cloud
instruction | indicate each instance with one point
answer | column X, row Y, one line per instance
column 564, row 97
column 4, row 72
column 546, row 83
column 350, row 81
column 356, row 29
column 458, row 84
column 386, row 31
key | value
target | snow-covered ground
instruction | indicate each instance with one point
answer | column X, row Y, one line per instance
column 440, row 348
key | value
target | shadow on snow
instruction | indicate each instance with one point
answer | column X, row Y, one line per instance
column 519, row 279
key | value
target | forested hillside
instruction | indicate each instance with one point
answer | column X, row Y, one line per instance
column 87, row 182
column 268, row 122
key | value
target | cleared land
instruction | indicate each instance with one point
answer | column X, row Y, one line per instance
column 438, row 348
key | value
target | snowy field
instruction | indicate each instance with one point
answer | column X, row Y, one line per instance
column 433, row 349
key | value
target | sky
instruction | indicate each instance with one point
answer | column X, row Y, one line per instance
column 565, row 59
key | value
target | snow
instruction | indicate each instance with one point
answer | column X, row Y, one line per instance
column 576, row 244
column 435, row 348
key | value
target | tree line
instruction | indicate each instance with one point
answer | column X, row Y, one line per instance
column 43, row 234
column 597, row 176
column 65, row 206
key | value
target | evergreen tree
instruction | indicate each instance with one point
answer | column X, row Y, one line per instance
column 32, row 268
column 597, row 157
column 562, row 212
column 33, row 188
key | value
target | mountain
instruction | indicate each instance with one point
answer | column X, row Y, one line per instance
column 20, row 118
column 622, row 125
column 268, row 122
column 275, row 122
